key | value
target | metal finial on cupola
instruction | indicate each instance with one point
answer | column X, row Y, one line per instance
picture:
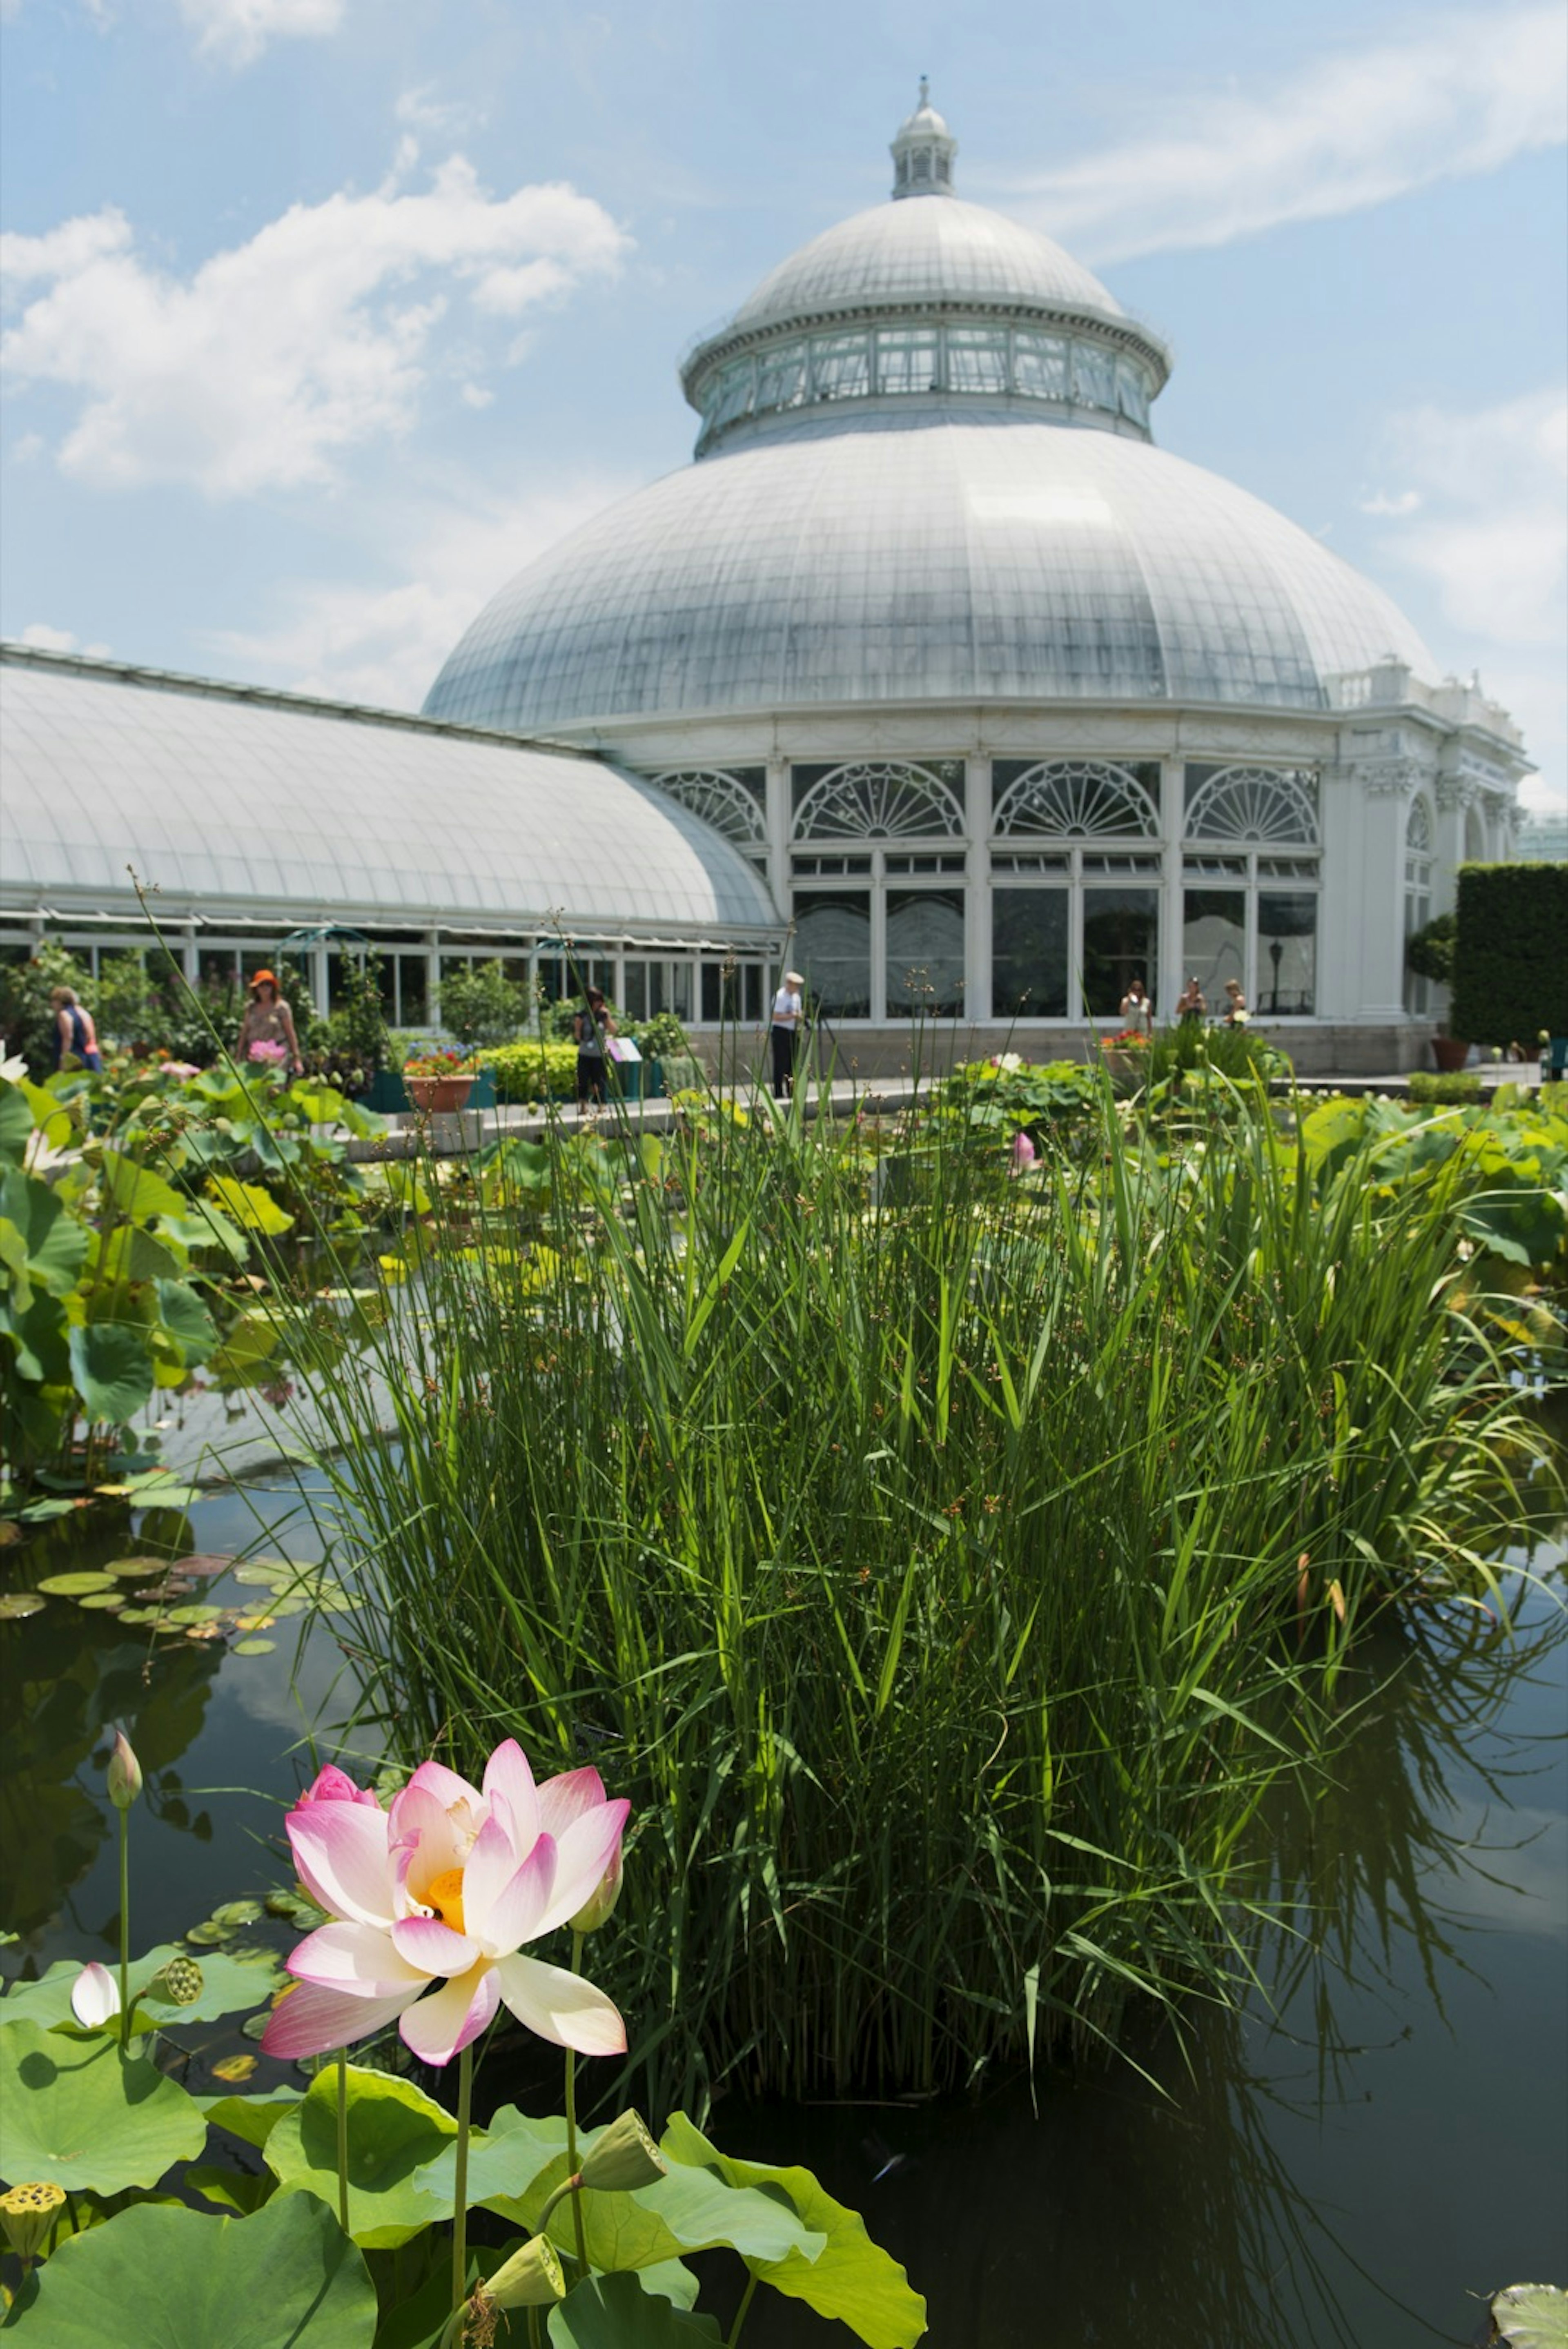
column 923, row 151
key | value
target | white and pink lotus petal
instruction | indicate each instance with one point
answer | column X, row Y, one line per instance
column 312, row 2021
column 342, row 1854
column 437, row 1836
column 431, row 1945
column 331, row 1785
column 503, row 1903
column 583, row 1855
column 508, row 1773
column 452, row 1793
column 95, row 1997
column 441, row 2025
column 362, row 1960
column 565, row 1799
column 561, row 2006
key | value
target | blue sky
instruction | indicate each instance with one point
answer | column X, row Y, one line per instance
column 323, row 316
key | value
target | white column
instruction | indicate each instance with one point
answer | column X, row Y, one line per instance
column 1383, row 803
column 977, row 891
column 778, row 831
column 1170, row 977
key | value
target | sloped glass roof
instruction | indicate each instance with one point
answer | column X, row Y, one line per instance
column 220, row 797
column 866, row 557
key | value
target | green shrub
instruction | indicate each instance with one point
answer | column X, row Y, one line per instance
column 1429, row 952
column 1446, row 1091
column 479, row 1004
column 1511, row 972
column 534, row 1069
column 26, row 1015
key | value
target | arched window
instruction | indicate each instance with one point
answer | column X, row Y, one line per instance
column 1252, row 803
column 730, row 803
column 1475, row 837
column 876, row 801
column 1077, row 800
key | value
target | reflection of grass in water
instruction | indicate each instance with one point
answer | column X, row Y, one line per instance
column 919, row 1567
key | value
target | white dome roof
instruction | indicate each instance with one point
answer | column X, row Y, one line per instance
column 886, row 558
column 895, row 256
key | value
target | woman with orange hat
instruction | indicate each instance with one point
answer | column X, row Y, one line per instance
column 268, row 1021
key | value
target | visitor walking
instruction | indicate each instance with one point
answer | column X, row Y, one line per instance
column 788, row 1010
column 1191, row 1004
column 75, row 1038
column 268, row 1021
column 593, row 1028
column 1235, row 1014
column 1137, row 1011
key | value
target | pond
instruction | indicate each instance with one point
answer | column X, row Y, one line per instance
column 1362, row 2166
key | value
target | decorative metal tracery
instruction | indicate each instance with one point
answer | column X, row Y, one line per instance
column 1077, row 800
column 1263, row 803
column 878, row 801
column 723, row 800
column 1418, row 831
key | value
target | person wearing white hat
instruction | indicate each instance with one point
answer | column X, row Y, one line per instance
column 788, row 1010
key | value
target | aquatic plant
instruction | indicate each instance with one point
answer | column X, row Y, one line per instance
column 930, row 1552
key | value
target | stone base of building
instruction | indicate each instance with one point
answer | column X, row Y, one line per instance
column 1317, row 1048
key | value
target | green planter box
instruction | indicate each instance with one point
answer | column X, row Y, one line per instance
column 388, row 1095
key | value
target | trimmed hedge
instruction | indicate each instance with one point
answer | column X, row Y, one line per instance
column 1510, row 956
column 533, row 1070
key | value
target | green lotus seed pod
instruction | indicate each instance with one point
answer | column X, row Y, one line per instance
column 179, row 1983
column 624, row 2158
column 530, row 2278
column 28, row 2213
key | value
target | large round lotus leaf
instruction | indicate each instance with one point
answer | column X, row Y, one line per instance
column 286, row 2274
column 614, row 2311
column 393, row 2131
column 15, row 1604
column 79, row 2114
column 1531, row 2316
column 75, row 1586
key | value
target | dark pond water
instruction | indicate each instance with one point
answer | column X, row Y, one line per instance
column 1359, row 2156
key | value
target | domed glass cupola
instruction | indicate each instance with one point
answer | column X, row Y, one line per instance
column 948, row 306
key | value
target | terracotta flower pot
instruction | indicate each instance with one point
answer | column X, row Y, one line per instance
column 431, row 1095
column 1450, row 1053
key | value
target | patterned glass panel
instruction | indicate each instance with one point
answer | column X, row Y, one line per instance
column 732, row 393
column 1132, row 392
column 977, row 359
column 1261, row 803
column 907, row 362
column 841, row 366
column 731, row 803
column 875, row 802
column 781, row 377
column 1040, row 366
column 1094, row 376
column 1076, row 798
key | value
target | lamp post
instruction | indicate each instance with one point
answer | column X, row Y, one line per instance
column 1276, row 949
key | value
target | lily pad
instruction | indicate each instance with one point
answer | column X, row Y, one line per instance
column 135, row 1569
column 185, row 1616
column 285, row 2273
column 253, row 1647
column 79, row 2114
column 237, row 1912
column 234, row 2069
column 199, row 1566
column 154, row 1615
column 15, row 1604
column 1531, row 2316
column 75, row 1586
column 108, row 1602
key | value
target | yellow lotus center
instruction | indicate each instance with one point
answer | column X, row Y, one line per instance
column 444, row 1895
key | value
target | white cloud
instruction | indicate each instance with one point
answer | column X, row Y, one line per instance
column 1381, row 503
column 422, row 111
column 1464, row 94
column 273, row 359
column 1483, row 521
column 383, row 643
column 239, row 30
column 45, row 639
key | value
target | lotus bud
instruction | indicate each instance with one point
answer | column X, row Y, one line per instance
column 124, row 1772
column 623, row 2158
column 331, row 1785
column 28, row 2213
column 95, row 1997
column 179, row 1983
column 600, row 1905
column 530, row 2278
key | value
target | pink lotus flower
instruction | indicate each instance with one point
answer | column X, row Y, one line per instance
column 444, row 1888
column 95, row 1997
column 331, row 1785
column 274, row 1055
column 1023, row 1154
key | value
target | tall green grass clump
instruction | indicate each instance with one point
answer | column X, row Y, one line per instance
column 947, row 1564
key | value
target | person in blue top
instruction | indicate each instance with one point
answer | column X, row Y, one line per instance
column 75, row 1038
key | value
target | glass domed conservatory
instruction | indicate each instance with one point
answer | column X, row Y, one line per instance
column 1007, row 703
column 932, row 674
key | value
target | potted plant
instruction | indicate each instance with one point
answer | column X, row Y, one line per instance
column 1430, row 953
column 439, row 1081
